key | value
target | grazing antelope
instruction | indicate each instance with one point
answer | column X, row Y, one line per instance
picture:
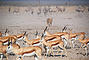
column 3, row 49
column 49, row 22
column 51, row 44
column 26, row 51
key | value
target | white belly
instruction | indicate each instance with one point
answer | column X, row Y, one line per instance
column 74, row 38
column 20, row 38
column 87, row 43
column 38, row 44
column 5, row 43
column 29, row 54
column 55, row 46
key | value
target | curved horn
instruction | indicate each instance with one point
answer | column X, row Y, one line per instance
column 6, row 31
column 25, row 33
column 64, row 28
column 45, row 28
column 42, row 35
column 36, row 32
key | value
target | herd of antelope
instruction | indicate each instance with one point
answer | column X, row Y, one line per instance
column 44, row 43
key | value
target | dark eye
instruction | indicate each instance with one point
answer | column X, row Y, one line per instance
column 23, row 36
column 8, row 47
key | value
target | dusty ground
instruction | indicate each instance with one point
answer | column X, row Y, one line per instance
column 17, row 23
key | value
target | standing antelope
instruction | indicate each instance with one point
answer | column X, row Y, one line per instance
column 13, row 38
column 46, row 33
column 26, row 51
column 71, row 37
column 55, row 36
column 85, row 43
column 36, row 41
column 51, row 44
column 33, row 42
column 49, row 22
column 3, row 49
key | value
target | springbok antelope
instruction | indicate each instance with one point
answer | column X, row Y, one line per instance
column 8, row 38
column 13, row 38
column 46, row 33
column 20, row 36
column 3, row 49
column 49, row 22
column 71, row 37
column 26, row 51
column 84, row 43
column 51, row 44
column 36, row 41
column 52, row 38
column 55, row 36
column 49, row 36
column 33, row 42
